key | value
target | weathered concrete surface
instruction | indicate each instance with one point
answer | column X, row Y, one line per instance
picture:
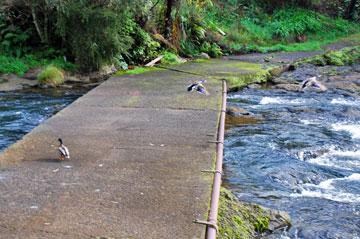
column 138, row 144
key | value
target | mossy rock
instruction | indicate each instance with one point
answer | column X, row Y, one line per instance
column 238, row 220
column 337, row 58
column 346, row 56
column 51, row 76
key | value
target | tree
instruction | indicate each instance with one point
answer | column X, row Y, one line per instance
column 350, row 10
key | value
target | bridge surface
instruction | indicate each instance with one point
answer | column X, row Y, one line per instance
column 138, row 144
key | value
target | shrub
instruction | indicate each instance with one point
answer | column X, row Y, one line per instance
column 211, row 48
column 170, row 58
column 10, row 64
column 12, row 39
column 95, row 34
column 51, row 76
column 144, row 47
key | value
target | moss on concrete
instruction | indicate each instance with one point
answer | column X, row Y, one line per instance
column 239, row 81
column 136, row 71
column 346, row 56
column 238, row 220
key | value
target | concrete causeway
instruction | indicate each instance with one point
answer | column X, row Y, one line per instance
column 138, row 144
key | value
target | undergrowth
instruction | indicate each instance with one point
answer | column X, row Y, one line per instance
column 51, row 76
column 293, row 29
column 19, row 66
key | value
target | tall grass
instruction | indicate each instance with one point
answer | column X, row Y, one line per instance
column 20, row 66
column 281, row 31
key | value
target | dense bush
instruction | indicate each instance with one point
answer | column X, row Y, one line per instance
column 51, row 76
column 12, row 39
column 95, row 35
column 275, row 32
column 144, row 48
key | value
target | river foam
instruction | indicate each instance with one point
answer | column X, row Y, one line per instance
column 341, row 101
column 336, row 158
column 327, row 189
column 279, row 100
column 353, row 129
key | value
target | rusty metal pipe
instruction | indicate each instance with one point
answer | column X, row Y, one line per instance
column 215, row 195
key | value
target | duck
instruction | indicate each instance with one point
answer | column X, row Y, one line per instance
column 199, row 87
column 63, row 150
column 312, row 82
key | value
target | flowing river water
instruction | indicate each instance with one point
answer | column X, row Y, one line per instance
column 21, row 111
column 302, row 157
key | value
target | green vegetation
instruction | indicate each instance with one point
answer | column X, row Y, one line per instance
column 136, row 71
column 51, row 76
column 238, row 220
column 19, row 66
column 289, row 29
column 171, row 58
column 342, row 57
column 92, row 34
column 251, row 73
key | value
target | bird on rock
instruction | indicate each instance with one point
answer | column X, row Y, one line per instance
column 198, row 87
column 312, row 82
column 63, row 151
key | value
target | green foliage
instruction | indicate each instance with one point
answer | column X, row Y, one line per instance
column 12, row 39
column 51, row 76
column 211, row 48
column 238, row 220
column 294, row 22
column 95, row 34
column 20, row 66
column 136, row 71
column 343, row 57
column 10, row 64
column 280, row 31
column 170, row 58
column 144, row 47
column 262, row 224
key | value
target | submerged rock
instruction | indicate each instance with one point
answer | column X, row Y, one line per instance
column 240, row 120
column 236, row 111
column 287, row 87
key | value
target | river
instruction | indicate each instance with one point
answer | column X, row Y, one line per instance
column 302, row 157
column 21, row 111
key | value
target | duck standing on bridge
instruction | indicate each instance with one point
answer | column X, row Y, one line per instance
column 63, row 150
column 199, row 87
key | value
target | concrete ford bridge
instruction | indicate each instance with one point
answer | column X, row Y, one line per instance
column 138, row 144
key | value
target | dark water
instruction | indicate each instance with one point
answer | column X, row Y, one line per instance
column 22, row 111
column 303, row 158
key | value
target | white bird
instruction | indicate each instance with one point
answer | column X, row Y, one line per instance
column 199, row 87
column 63, row 150
column 312, row 82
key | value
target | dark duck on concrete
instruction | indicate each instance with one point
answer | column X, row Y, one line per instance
column 198, row 87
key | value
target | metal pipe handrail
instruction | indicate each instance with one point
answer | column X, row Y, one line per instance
column 215, row 194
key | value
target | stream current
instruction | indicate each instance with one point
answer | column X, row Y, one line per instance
column 302, row 157
column 21, row 111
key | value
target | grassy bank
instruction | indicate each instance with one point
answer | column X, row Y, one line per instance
column 20, row 65
column 293, row 29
